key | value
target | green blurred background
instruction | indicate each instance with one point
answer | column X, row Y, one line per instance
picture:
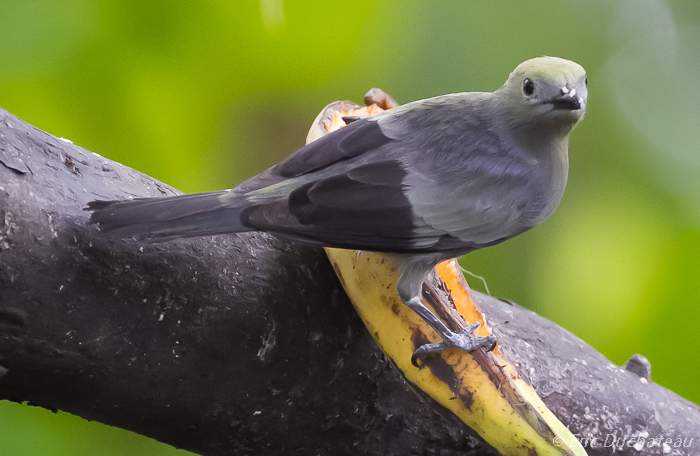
column 202, row 95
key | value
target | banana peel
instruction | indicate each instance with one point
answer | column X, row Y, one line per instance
column 482, row 389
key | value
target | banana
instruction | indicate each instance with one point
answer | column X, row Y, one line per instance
column 483, row 389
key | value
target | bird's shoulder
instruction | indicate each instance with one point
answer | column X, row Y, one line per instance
column 456, row 111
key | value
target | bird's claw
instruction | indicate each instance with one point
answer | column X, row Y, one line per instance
column 464, row 340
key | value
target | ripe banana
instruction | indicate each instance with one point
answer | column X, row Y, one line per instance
column 481, row 388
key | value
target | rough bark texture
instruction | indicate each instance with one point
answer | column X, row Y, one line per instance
column 246, row 344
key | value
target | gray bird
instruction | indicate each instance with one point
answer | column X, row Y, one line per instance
column 426, row 182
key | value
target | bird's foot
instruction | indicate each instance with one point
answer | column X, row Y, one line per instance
column 464, row 340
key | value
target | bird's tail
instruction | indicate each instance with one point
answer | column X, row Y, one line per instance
column 162, row 219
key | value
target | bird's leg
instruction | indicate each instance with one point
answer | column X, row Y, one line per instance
column 464, row 340
column 412, row 274
column 416, row 304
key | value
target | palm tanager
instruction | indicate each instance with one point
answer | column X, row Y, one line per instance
column 426, row 182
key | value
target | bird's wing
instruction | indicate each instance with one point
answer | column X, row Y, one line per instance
column 351, row 141
column 364, row 208
column 468, row 184
column 385, row 186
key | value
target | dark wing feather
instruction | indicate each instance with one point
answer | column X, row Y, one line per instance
column 348, row 142
column 363, row 208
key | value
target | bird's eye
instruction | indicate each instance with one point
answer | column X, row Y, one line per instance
column 528, row 87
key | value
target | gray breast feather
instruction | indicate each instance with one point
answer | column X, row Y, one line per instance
column 466, row 180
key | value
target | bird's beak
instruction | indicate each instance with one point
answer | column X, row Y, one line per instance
column 567, row 99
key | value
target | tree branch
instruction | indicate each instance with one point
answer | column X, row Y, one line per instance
column 243, row 344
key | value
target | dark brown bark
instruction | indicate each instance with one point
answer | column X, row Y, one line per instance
column 243, row 344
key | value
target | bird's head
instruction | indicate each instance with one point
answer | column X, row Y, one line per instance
column 545, row 94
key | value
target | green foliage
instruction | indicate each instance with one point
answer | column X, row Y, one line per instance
column 205, row 94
